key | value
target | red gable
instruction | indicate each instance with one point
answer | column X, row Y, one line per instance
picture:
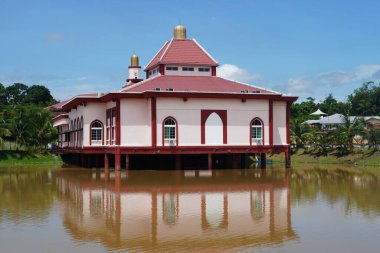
column 186, row 52
column 195, row 84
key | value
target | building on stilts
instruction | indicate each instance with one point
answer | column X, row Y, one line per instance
column 182, row 115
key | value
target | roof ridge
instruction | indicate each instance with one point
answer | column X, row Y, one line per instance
column 204, row 50
column 140, row 83
column 246, row 84
column 166, row 49
column 154, row 57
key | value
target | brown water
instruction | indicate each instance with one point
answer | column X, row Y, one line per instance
column 82, row 210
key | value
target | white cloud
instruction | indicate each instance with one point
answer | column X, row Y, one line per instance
column 54, row 37
column 233, row 72
column 297, row 85
column 337, row 78
column 365, row 72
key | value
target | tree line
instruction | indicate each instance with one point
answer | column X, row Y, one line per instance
column 24, row 121
column 364, row 101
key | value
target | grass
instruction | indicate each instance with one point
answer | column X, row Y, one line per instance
column 27, row 158
column 359, row 157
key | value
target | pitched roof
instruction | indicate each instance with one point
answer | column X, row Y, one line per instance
column 58, row 106
column 195, row 84
column 187, row 52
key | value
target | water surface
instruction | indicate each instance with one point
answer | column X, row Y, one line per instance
column 273, row 210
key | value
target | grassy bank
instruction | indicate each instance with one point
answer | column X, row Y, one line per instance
column 27, row 158
column 357, row 158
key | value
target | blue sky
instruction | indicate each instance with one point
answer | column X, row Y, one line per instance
column 303, row 48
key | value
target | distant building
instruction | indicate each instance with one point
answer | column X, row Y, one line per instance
column 331, row 122
column 181, row 108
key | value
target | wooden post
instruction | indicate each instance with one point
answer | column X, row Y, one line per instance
column 117, row 161
column 263, row 160
column 177, row 161
column 209, row 159
column 106, row 162
column 235, row 161
column 83, row 161
column 127, row 162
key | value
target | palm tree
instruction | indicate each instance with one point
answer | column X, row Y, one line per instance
column 345, row 133
column 4, row 128
column 298, row 132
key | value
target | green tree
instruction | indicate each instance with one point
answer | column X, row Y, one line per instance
column 365, row 100
column 345, row 133
column 298, row 131
column 16, row 93
column 38, row 94
column 3, row 95
column 373, row 137
column 4, row 127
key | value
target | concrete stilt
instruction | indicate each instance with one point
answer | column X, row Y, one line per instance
column 287, row 158
column 106, row 162
column 177, row 162
column 117, row 162
column 263, row 160
column 209, row 159
column 127, row 162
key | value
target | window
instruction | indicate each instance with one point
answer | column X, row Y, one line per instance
column 204, row 69
column 187, row 69
column 257, row 131
column 172, row 68
column 96, row 131
column 169, row 129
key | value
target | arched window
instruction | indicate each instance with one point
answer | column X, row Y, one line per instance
column 96, row 131
column 170, row 131
column 257, row 132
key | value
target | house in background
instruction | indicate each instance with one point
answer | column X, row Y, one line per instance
column 181, row 116
column 333, row 121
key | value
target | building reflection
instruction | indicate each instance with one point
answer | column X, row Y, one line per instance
column 181, row 210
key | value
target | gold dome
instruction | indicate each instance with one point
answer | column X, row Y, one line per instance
column 134, row 61
column 180, row 32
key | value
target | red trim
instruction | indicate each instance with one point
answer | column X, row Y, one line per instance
column 262, row 129
column 213, row 71
column 117, row 122
column 102, row 131
column 204, row 116
column 177, row 150
column 287, row 123
column 176, row 130
column 154, row 122
column 189, row 94
column 161, row 69
column 271, row 122
column 59, row 117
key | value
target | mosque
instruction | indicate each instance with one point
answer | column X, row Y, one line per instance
column 181, row 116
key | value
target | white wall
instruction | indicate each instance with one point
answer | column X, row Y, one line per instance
column 135, row 122
column 179, row 72
column 91, row 112
column 279, row 123
column 188, row 115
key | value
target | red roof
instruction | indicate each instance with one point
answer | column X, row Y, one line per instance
column 186, row 52
column 194, row 84
column 58, row 106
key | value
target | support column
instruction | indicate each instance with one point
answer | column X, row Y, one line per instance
column 209, row 159
column 153, row 122
column 117, row 161
column 235, row 161
column 106, row 162
column 83, row 161
column 127, row 162
column 97, row 161
column 271, row 123
column 287, row 158
column 177, row 162
column 263, row 160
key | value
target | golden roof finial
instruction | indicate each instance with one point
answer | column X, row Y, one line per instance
column 180, row 32
column 134, row 60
